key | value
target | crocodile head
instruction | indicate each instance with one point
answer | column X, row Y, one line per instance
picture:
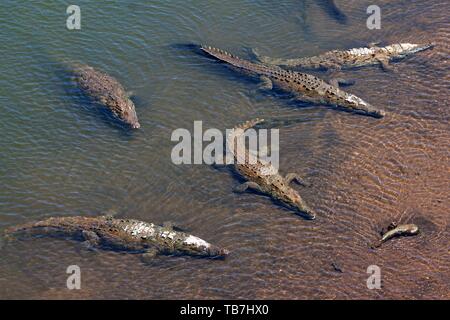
column 128, row 114
column 405, row 49
column 294, row 202
column 360, row 106
column 195, row 246
column 304, row 210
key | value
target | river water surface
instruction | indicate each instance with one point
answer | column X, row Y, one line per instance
column 61, row 157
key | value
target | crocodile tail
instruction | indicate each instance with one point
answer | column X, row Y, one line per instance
column 376, row 245
column 11, row 231
column 249, row 124
column 39, row 227
column 227, row 57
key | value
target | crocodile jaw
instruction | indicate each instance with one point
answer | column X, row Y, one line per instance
column 306, row 212
column 200, row 247
column 405, row 49
column 359, row 105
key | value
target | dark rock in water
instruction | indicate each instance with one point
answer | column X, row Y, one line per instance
column 106, row 90
column 330, row 7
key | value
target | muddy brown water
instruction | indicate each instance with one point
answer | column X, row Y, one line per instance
column 59, row 156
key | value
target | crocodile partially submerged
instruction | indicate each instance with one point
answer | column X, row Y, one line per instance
column 261, row 176
column 107, row 91
column 303, row 86
column 352, row 58
column 128, row 235
column 397, row 231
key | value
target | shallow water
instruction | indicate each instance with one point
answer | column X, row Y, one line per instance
column 60, row 156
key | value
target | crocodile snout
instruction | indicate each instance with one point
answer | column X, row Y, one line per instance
column 309, row 214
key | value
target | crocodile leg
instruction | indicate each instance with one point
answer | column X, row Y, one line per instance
column 376, row 245
column 264, row 59
column 91, row 239
column 266, row 83
column 385, row 65
column 337, row 82
column 172, row 226
column 149, row 255
column 293, row 176
column 247, row 185
column 111, row 213
column 219, row 162
column 255, row 55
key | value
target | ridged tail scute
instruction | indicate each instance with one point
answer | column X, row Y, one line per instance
column 236, row 147
column 14, row 230
column 225, row 56
column 40, row 227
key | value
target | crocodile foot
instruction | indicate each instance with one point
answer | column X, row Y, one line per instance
column 247, row 185
column 172, row 226
column 91, row 240
column 149, row 255
column 386, row 66
column 295, row 177
column 266, row 84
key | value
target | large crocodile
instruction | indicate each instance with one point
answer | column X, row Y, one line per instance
column 106, row 90
column 120, row 234
column 343, row 59
column 305, row 87
column 261, row 176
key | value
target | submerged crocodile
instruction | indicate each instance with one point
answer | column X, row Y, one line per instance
column 121, row 234
column 305, row 87
column 397, row 231
column 106, row 90
column 357, row 57
column 261, row 176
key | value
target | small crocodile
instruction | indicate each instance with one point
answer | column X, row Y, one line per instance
column 352, row 58
column 261, row 176
column 106, row 90
column 397, row 231
column 304, row 86
column 120, row 234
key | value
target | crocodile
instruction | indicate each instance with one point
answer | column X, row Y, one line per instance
column 397, row 231
column 352, row 58
column 262, row 177
column 106, row 90
column 304, row 87
column 126, row 235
